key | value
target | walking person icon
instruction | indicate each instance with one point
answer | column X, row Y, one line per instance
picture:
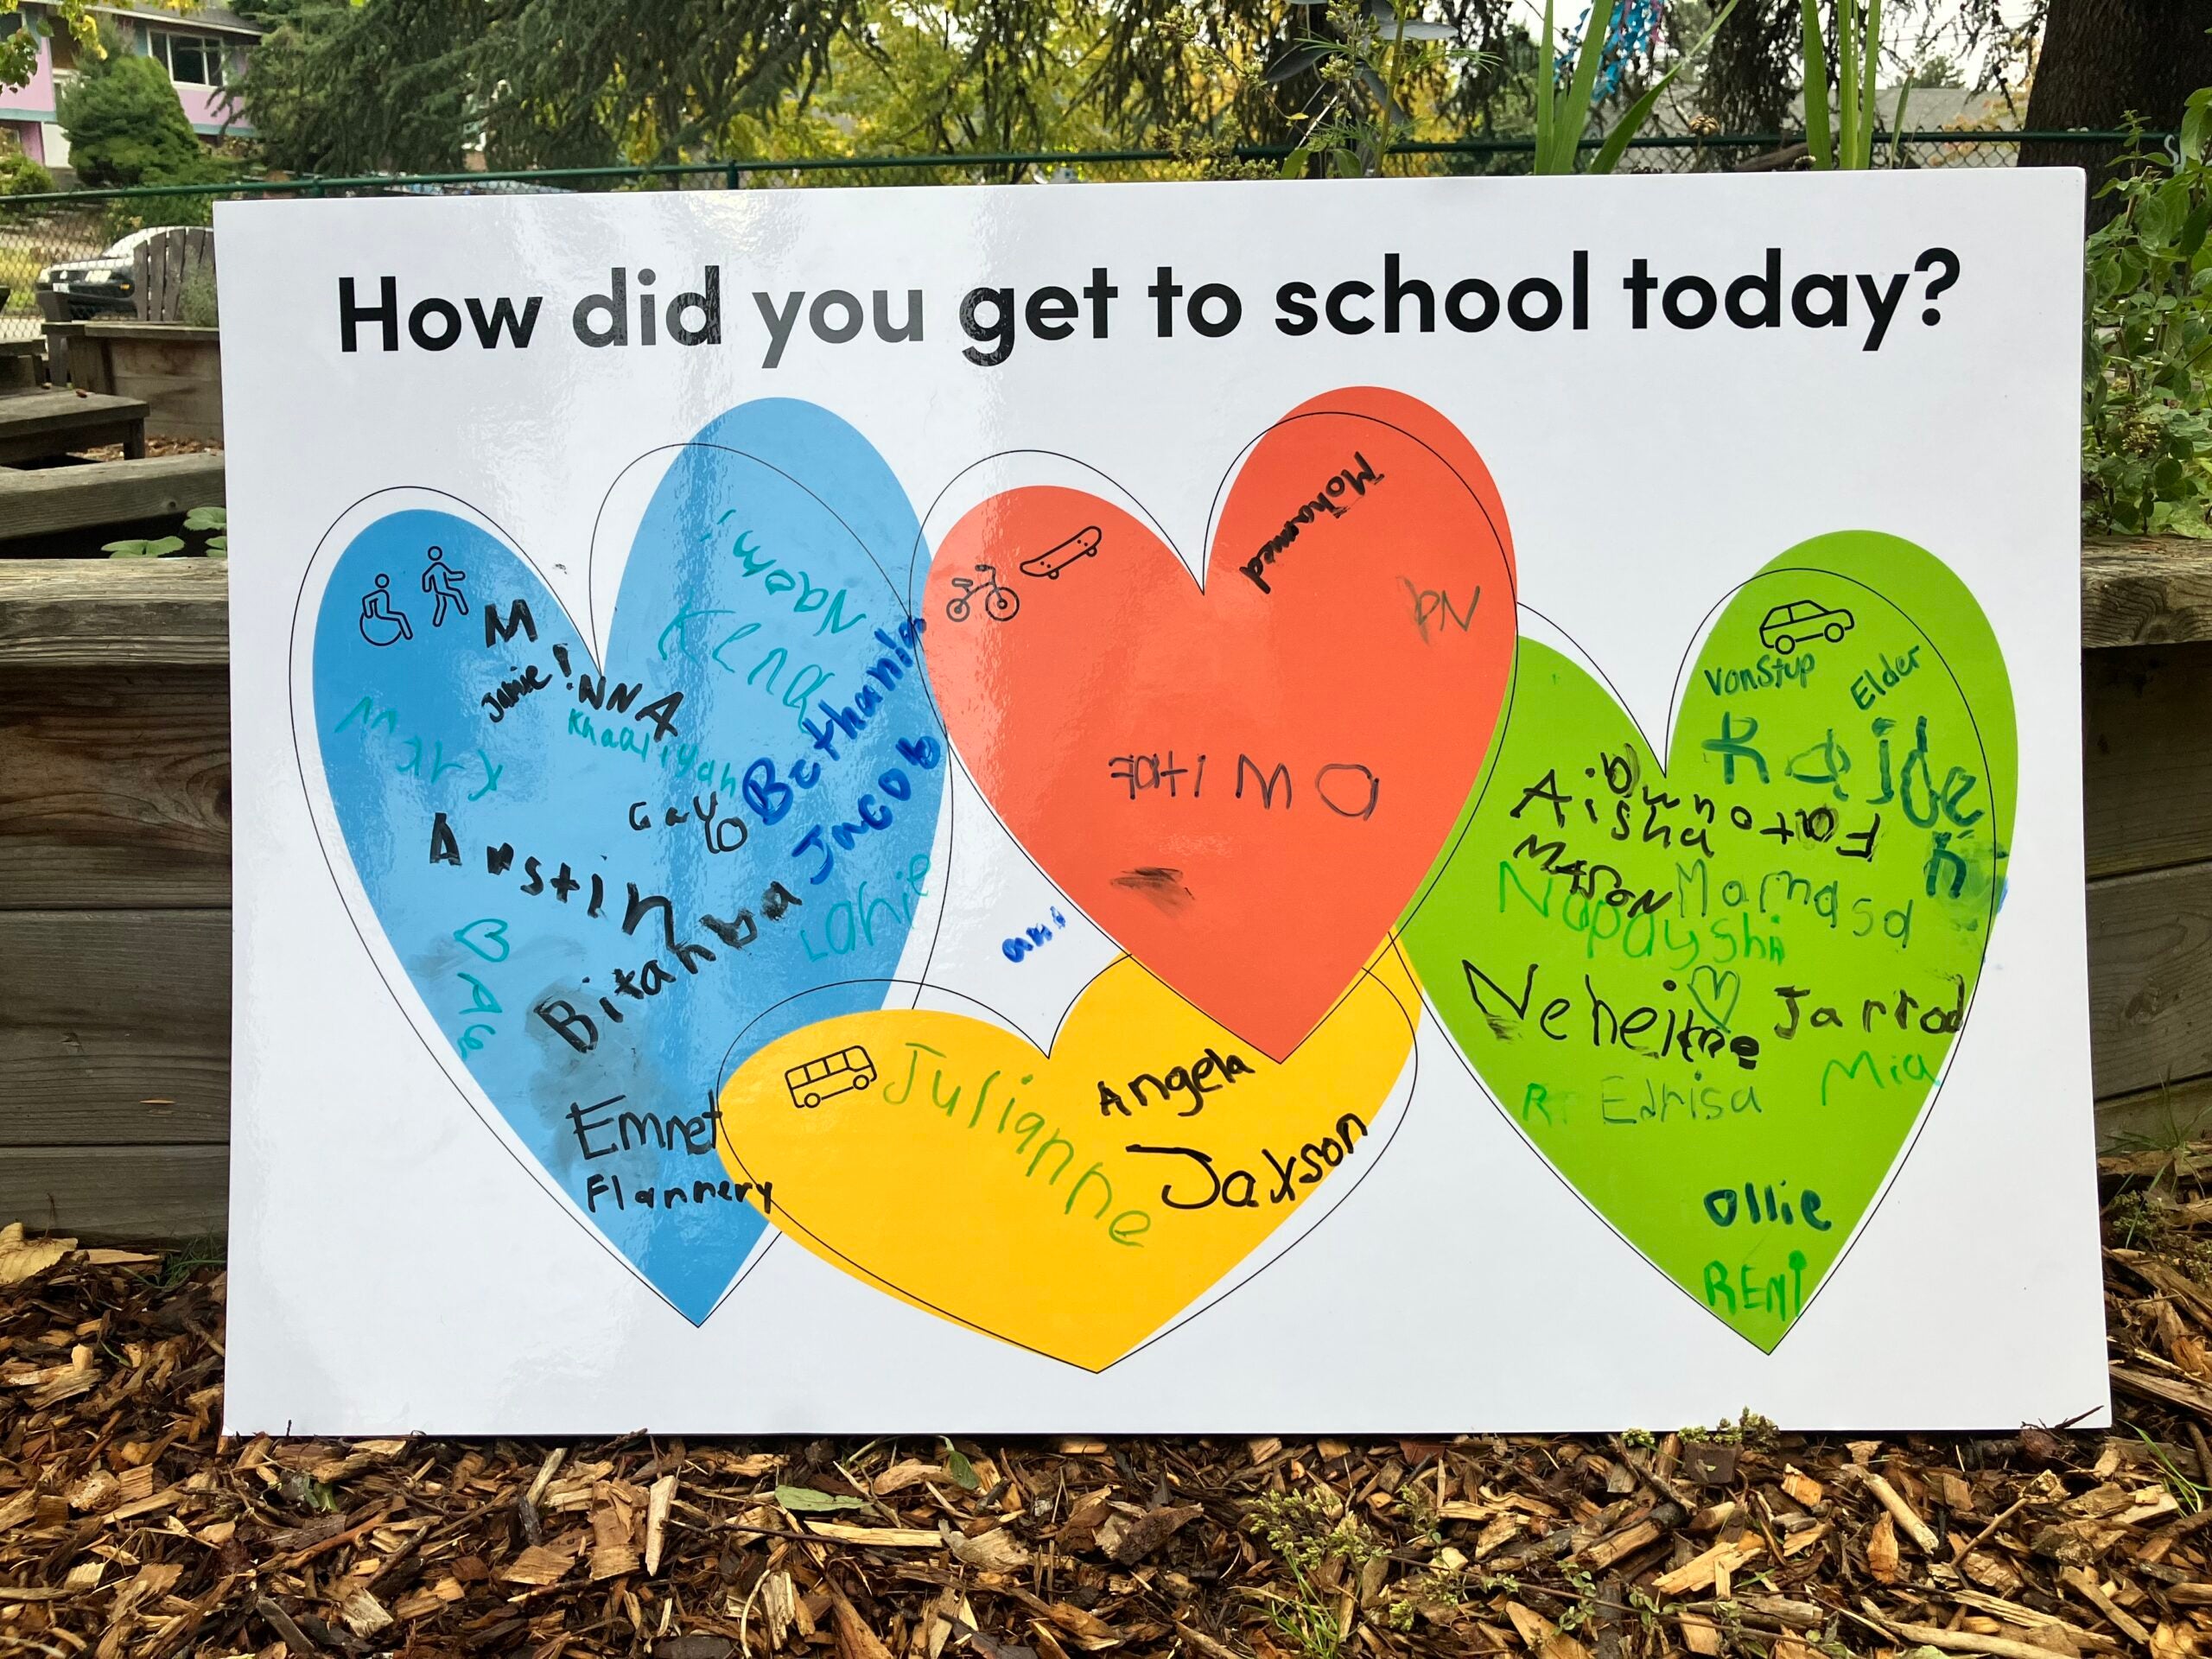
column 443, row 581
column 381, row 624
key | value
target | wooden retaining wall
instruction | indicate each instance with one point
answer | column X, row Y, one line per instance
column 115, row 892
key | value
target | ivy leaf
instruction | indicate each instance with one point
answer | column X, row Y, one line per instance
column 806, row 1500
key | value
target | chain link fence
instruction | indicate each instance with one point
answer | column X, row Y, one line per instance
column 65, row 244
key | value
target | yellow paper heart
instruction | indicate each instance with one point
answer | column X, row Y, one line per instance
column 1071, row 1203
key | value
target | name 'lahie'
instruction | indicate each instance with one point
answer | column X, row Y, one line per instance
column 1355, row 479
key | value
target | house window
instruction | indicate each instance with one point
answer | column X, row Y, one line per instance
column 192, row 60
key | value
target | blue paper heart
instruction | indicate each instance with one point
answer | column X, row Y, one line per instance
column 595, row 878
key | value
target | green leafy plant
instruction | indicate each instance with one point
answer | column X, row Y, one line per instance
column 207, row 518
column 2188, row 1493
column 126, row 127
column 2168, row 1133
column 1580, row 1611
column 1843, row 138
column 197, row 306
column 962, row 1471
column 1374, row 52
column 2146, row 405
column 178, row 1265
column 1308, row 1535
column 20, row 177
column 303, row 1491
column 19, row 45
column 1439, row 1589
column 1747, row 1428
column 1366, row 63
column 200, row 521
column 1562, row 121
column 1648, row 1609
column 806, row 1500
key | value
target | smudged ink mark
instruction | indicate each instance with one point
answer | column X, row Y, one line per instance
column 1163, row 886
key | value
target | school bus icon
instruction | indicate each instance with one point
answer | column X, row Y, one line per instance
column 830, row 1076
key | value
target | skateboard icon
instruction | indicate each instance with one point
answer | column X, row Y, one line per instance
column 1081, row 546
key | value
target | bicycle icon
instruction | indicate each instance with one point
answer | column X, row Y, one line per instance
column 1000, row 603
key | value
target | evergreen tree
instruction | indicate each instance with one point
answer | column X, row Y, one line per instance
column 125, row 125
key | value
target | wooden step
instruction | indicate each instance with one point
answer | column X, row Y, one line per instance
column 120, row 613
column 33, row 424
column 106, row 493
column 2155, row 591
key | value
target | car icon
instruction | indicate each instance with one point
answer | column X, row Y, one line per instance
column 832, row 1075
column 1787, row 626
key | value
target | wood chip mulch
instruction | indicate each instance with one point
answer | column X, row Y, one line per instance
column 155, row 446
column 129, row 1530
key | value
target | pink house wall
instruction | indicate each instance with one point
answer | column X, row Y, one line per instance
column 34, row 101
column 204, row 106
column 207, row 108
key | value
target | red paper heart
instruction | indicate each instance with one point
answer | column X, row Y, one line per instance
column 1243, row 785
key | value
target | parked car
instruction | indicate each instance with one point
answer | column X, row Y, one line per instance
column 99, row 286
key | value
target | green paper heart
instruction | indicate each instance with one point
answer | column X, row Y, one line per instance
column 1714, row 1004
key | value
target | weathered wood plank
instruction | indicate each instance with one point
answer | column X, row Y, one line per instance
column 152, row 1194
column 106, row 493
column 30, row 414
column 172, row 246
column 115, row 1041
column 2150, row 978
column 2146, row 757
column 131, row 433
column 176, row 371
column 2132, row 593
column 115, row 1027
column 59, row 613
column 2157, row 1117
column 178, row 332
column 115, row 788
column 164, row 1194
column 55, row 324
column 21, row 369
column 2145, row 593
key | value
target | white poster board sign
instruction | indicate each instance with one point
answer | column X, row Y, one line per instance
column 1169, row 807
